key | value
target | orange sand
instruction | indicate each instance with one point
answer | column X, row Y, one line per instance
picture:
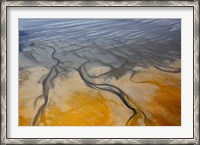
column 85, row 109
column 72, row 103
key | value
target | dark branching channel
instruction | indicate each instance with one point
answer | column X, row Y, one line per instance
column 121, row 45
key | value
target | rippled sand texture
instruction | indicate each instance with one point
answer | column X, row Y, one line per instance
column 98, row 72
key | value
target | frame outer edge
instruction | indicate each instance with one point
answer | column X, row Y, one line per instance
column 196, row 72
column 4, row 4
column 3, row 72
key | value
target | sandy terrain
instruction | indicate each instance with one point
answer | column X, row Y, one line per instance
column 71, row 102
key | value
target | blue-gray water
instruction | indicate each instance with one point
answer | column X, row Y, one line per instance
column 64, row 45
column 157, row 39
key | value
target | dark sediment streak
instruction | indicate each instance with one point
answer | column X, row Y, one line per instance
column 121, row 45
column 46, row 87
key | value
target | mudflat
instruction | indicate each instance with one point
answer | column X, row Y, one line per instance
column 99, row 72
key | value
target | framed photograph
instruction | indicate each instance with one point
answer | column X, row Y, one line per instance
column 99, row 72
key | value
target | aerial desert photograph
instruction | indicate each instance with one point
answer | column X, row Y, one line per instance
column 99, row 72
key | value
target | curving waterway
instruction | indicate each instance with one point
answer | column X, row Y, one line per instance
column 116, row 47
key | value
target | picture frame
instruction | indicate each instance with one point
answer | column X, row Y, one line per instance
column 5, row 5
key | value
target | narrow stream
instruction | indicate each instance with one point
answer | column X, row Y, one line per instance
column 121, row 45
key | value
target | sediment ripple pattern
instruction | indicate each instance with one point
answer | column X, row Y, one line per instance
column 121, row 45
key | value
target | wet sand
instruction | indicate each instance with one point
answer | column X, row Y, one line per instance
column 72, row 103
column 99, row 72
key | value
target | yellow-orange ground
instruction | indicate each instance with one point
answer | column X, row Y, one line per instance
column 72, row 103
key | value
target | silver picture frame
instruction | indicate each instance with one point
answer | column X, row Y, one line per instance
column 34, row 3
